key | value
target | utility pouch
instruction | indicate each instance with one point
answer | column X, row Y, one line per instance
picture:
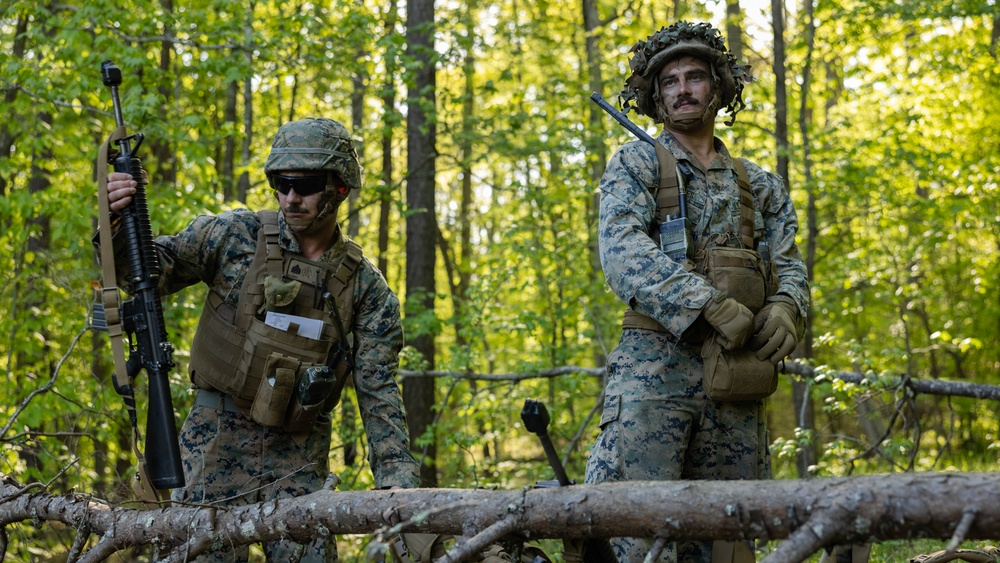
column 262, row 341
column 738, row 273
column 275, row 390
column 736, row 375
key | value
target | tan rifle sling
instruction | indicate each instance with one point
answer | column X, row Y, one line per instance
column 668, row 204
column 111, row 300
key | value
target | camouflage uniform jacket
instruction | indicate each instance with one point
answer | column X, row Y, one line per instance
column 218, row 250
column 647, row 280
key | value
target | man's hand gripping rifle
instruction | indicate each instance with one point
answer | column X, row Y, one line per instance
column 673, row 229
column 141, row 317
column 536, row 419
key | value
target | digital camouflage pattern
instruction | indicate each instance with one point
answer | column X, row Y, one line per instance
column 315, row 143
column 220, row 466
column 683, row 38
column 658, row 423
column 229, row 456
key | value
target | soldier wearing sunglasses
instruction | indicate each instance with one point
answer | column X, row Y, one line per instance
column 293, row 313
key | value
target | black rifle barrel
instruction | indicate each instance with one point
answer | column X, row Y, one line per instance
column 149, row 348
column 643, row 136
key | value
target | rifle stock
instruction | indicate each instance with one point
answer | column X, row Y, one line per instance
column 142, row 316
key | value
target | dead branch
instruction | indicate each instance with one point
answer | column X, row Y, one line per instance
column 810, row 513
column 924, row 386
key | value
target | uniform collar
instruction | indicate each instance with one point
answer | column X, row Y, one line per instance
column 724, row 161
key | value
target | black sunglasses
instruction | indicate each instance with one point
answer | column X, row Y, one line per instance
column 303, row 185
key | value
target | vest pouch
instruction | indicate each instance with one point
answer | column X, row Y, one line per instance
column 314, row 384
column 736, row 375
column 263, row 340
column 275, row 390
column 216, row 350
column 737, row 273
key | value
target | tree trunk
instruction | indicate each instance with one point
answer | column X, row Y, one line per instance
column 421, row 224
column 228, row 164
column 390, row 120
column 7, row 136
column 162, row 152
column 809, row 515
column 804, row 408
column 243, row 186
column 734, row 29
column 780, row 92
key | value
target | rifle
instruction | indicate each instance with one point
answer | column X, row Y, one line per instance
column 142, row 316
column 536, row 419
column 673, row 229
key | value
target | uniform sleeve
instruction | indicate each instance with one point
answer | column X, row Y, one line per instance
column 378, row 339
column 781, row 225
column 212, row 249
column 639, row 273
column 197, row 253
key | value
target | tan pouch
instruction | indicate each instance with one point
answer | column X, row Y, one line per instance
column 300, row 417
column 736, row 375
column 738, row 273
column 262, row 341
column 271, row 401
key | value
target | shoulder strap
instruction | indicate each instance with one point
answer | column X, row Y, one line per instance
column 269, row 223
column 342, row 283
column 746, row 203
column 668, row 194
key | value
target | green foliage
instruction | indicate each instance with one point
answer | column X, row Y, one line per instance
column 902, row 174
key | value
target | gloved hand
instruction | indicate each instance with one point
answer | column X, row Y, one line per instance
column 775, row 335
column 733, row 321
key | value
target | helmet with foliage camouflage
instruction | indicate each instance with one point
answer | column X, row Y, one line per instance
column 315, row 143
column 699, row 40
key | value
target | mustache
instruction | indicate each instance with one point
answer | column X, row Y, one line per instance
column 687, row 100
column 296, row 209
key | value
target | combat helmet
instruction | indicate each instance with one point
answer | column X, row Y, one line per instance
column 316, row 143
column 699, row 40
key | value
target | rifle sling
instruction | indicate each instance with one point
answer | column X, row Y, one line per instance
column 111, row 299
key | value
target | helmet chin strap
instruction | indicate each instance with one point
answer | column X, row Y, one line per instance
column 690, row 120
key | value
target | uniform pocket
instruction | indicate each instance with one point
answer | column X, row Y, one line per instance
column 612, row 410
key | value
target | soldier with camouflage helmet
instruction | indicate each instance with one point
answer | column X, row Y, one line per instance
column 260, row 427
column 658, row 421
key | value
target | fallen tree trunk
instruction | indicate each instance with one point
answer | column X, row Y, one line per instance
column 808, row 514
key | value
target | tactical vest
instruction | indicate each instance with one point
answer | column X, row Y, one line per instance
column 739, row 271
column 236, row 353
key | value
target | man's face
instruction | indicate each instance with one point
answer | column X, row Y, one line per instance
column 301, row 197
column 685, row 85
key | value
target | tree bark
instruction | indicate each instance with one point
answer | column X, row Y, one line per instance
column 780, row 90
column 421, row 224
column 808, row 515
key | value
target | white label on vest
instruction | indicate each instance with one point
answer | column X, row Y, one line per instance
column 304, row 326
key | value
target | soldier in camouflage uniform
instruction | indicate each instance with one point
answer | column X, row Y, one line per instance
column 658, row 423
column 229, row 458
